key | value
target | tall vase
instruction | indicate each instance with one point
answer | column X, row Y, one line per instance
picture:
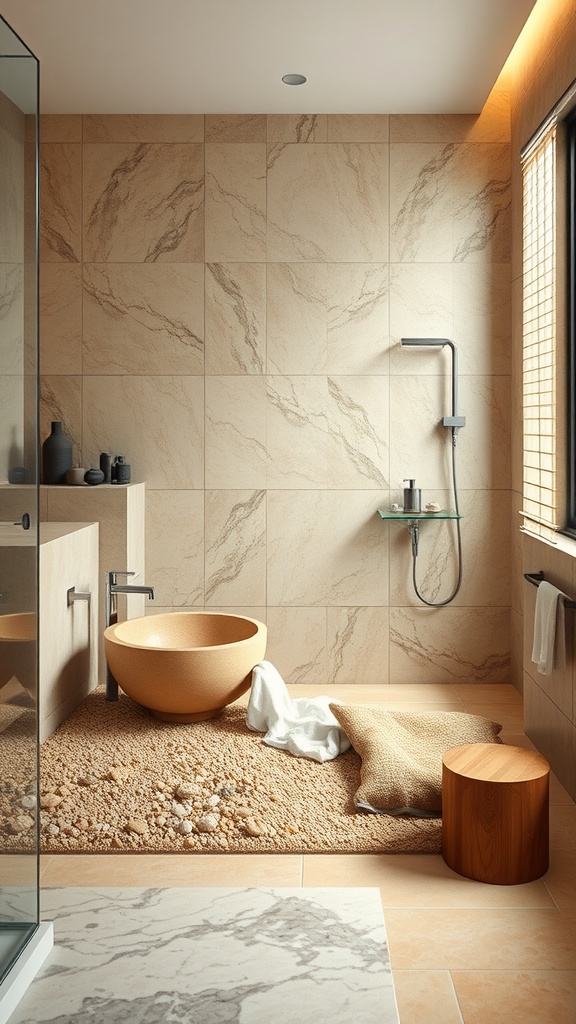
column 56, row 455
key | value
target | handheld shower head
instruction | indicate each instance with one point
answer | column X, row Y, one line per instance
column 454, row 421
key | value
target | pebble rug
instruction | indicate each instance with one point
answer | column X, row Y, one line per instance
column 115, row 778
column 213, row 956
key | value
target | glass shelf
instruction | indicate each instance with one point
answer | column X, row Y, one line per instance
column 404, row 517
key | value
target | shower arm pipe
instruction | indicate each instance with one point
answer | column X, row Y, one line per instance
column 454, row 421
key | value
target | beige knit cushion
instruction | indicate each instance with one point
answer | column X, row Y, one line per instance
column 402, row 752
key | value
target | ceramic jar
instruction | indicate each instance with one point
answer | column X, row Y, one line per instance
column 94, row 476
column 120, row 471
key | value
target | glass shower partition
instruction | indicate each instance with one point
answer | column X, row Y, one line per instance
column 22, row 938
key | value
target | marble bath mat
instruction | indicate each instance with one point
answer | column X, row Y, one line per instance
column 213, row 956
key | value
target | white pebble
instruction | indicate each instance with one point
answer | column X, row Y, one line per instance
column 186, row 790
column 19, row 823
column 254, row 826
column 209, row 823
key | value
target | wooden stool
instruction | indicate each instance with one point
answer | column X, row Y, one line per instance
column 495, row 812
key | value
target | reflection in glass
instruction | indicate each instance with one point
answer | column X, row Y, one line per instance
column 18, row 495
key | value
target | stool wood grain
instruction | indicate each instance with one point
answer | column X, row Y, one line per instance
column 495, row 812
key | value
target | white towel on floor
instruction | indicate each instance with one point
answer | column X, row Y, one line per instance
column 548, row 650
column 304, row 726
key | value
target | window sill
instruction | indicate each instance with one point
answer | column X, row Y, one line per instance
column 562, row 542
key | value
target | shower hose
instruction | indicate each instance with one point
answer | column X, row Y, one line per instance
column 440, row 604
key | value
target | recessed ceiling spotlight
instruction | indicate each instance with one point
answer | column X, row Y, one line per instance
column 293, row 79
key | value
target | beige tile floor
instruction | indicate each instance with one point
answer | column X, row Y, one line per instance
column 461, row 951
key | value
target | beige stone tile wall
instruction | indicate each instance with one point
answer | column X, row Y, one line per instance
column 12, row 286
column 222, row 302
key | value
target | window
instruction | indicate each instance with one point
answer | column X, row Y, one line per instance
column 549, row 323
column 571, row 311
column 539, row 369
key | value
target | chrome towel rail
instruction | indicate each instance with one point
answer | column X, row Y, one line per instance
column 535, row 578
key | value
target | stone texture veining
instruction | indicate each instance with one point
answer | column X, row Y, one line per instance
column 236, row 437
column 235, row 202
column 452, row 648
column 60, row 214
column 358, row 645
column 235, row 560
column 449, row 203
column 127, row 218
column 349, row 180
column 296, row 128
column 213, row 955
column 358, row 417
column 235, row 318
column 143, row 318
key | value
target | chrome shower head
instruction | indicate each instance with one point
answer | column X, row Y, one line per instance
column 425, row 341
column 454, row 421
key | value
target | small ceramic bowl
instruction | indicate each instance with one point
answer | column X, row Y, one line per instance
column 75, row 476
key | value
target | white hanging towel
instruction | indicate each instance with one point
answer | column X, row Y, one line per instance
column 303, row 726
column 548, row 650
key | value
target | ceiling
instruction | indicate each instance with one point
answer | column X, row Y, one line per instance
column 228, row 56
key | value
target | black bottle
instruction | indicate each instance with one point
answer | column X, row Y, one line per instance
column 56, row 455
column 106, row 466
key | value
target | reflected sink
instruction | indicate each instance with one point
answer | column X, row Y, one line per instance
column 18, row 649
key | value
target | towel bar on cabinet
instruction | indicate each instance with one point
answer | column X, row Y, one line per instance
column 536, row 578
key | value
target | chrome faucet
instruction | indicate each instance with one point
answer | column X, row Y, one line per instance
column 113, row 588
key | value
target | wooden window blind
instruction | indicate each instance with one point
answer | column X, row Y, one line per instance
column 540, row 499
